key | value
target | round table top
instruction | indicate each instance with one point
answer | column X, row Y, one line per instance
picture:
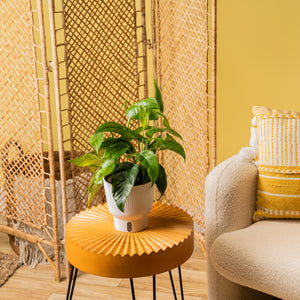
column 94, row 246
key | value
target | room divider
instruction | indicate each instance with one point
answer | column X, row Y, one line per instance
column 68, row 66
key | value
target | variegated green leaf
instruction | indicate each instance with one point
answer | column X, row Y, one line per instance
column 148, row 159
column 158, row 97
column 122, row 183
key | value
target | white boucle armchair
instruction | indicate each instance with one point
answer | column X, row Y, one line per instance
column 246, row 260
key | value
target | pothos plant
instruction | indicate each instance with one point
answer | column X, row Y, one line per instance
column 129, row 155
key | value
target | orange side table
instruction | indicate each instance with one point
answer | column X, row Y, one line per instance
column 94, row 246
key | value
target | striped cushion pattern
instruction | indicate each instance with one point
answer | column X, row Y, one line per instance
column 278, row 139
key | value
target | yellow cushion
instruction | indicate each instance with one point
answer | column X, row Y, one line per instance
column 278, row 153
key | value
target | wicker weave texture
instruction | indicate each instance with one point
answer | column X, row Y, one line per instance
column 21, row 181
column 183, row 73
column 102, row 59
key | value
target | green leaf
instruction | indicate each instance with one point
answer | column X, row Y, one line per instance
column 143, row 118
column 152, row 131
column 92, row 181
column 161, row 181
column 170, row 138
column 115, row 150
column 149, row 104
column 89, row 159
column 166, row 123
column 93, row 168
column 153, row 115
column 124, row 166
column 106, row 169
column 172, row 145
column 96, row 140
column 94, row 189
column 125, row 104
column 173, row 132
column 125, row 132
column 133, row 112
column 148, row 159
column 122, row 183
column 158, row 97
column 140, row 129
column 143, row 176
column 128, row 122
column 108, row 143
column 98, row 177
column 159, row 114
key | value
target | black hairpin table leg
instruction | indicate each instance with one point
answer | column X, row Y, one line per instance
column 180, row 280
column 154, row 287
column 132, row 289
column 173, row 286
column 74, row 272
column 72, row 281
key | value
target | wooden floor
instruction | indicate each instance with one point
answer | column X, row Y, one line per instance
column 30, row 284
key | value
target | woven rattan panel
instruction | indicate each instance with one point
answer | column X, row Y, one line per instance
column 21, row 193
column 182, row 66
column 102, row 58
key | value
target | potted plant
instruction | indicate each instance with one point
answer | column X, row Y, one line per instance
column 124, row 159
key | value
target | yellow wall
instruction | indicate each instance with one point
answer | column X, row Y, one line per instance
column 258, row 64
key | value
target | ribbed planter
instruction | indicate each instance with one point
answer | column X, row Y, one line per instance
column 137, row 207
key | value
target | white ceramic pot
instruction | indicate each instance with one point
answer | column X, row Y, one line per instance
column 137, row 207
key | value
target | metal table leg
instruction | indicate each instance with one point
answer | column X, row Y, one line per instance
column 173, row 286
column 72, row 281
column 180, row 280
column 154, row 287
column 132, row 289
column 73, row 276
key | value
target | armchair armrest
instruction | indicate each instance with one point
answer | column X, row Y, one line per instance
column 230, row 203
column 230, row 195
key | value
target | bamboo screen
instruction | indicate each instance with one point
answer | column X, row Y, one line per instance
column 55, row 100
column 22, row 148
column 19, row 115
column 27, row 157
column 185, row 76
column 105, row 59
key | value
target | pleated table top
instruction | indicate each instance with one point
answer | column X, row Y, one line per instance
column 94, row 246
